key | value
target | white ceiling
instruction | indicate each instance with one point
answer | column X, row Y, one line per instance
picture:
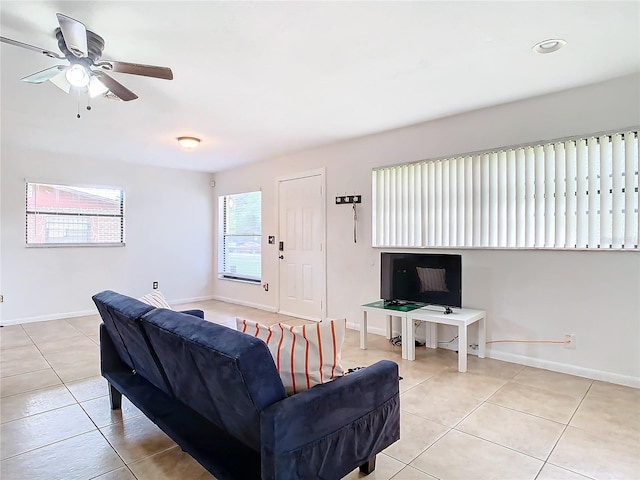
column 256, row 80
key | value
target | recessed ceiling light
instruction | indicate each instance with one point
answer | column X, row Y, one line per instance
column 549, row 46
column 188, row 143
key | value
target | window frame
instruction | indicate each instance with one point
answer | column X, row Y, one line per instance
column 222, row 241
column 38, row 210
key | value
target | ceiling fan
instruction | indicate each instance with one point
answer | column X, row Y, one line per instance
column 86, row 72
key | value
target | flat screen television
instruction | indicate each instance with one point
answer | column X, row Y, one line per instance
column 423, row 278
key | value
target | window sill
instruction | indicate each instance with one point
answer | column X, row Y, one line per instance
column 58, row 245
column 240, row 280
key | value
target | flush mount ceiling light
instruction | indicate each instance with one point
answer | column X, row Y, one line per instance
column 549, row 46
column 188, row 143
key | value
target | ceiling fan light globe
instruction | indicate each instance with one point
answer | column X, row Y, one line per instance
column 77, row 76
column 96, row 87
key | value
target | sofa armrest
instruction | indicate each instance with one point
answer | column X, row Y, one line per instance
column 329, row 430
column 196, row 313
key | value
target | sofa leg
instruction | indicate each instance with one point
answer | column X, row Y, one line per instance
column 116, row 398
column 368, row 467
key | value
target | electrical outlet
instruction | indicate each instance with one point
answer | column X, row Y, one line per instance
column 570, row 341
column 155, row 285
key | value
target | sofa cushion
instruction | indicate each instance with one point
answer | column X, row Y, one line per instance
column 121, row 316
column 155, row 299
column 305, row 356
column 225, row 376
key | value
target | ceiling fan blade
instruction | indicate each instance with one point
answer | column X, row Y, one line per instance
column 44, row 51
column 122, row 92
column 135, row 69
column 44, row 75
column 60, row 81
column 75, row 35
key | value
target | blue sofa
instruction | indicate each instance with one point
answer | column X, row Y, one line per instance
column 216, row 392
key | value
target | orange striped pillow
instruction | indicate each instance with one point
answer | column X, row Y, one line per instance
column 305, row 356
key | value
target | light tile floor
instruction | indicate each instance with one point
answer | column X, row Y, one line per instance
column 497, row 421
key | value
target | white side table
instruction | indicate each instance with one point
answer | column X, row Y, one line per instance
column 462, row 318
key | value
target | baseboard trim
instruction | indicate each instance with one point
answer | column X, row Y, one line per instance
column 533, row 362
column 303, row 317
column 374, row 330
column 53, row 316
column 83, row 313
column 565, row 368
column 235, row 301
column 182, row 301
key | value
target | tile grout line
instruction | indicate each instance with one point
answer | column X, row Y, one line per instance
column 77, row 402
column 46, row 360
column 44, row 356
column 156, row 454
column 513, row 409
column 483, row 402
column 500, row 445
column 53, row 409
column 446, row 433
column 584, row 396
column 493, row 442
column 544, row 461
column 47, row 444
column 114, row 470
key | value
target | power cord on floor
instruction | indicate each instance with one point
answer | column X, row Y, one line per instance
column 355, row 369
column 397, row 342
column 449, row 342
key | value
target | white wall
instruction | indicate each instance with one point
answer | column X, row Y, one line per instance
column 528, row 294
column 169, row 238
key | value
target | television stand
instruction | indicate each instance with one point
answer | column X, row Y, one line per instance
column 407, row 313
column 461, row 318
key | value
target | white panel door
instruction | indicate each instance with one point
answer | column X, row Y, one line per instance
column 302, row 231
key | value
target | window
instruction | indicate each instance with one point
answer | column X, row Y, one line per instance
column 576, row 193
column 241, row 233
column 68, row 215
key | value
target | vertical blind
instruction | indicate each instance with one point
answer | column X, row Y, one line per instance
column 241, row 231
column 576, row 193
column 70, row 215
